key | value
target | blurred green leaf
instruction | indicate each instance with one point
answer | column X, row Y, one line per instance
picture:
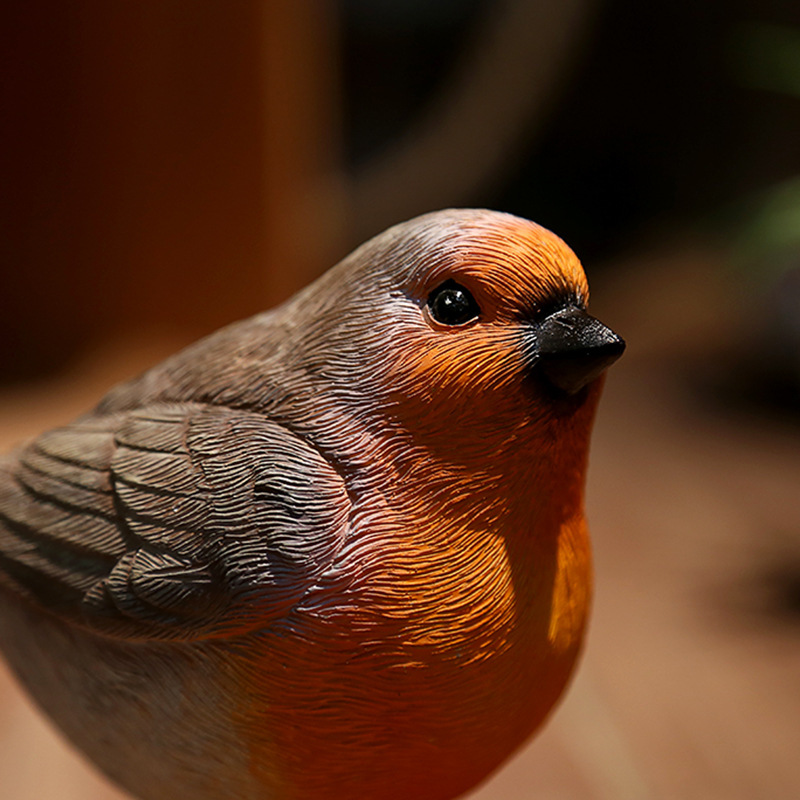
column 767, row 57
column 772, row 230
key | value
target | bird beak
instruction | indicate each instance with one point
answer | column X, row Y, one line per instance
column 570, row 348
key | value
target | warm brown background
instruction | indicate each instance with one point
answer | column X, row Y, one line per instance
column 172, row 165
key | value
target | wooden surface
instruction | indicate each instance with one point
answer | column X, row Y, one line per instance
column 689, row 686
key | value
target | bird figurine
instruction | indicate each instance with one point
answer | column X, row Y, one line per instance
column 335, row 550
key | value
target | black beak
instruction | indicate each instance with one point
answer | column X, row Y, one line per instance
column 570, row 348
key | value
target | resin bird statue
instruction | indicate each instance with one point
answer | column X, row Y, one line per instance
column 335, row 550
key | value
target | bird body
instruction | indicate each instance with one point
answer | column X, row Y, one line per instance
column 335, row 549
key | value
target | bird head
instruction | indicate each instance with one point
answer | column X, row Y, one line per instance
column 463, row 320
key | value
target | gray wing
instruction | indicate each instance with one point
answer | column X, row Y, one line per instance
column 172, row 521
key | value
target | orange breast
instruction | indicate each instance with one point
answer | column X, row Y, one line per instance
column 419, row 672
column 444, row 636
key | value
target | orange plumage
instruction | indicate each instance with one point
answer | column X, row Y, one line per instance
column 345, row 550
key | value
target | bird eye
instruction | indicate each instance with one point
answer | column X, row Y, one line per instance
column 452, row 304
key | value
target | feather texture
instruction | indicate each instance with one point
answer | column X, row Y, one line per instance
column 177, row 521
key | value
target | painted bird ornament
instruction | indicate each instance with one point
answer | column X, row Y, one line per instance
column 335, row 550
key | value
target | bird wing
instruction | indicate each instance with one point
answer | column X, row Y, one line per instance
column 170, row 521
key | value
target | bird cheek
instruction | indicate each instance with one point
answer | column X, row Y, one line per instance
column 465, row 384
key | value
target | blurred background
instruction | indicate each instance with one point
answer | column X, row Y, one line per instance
column 171, row 166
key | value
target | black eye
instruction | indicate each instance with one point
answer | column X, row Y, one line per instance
column 452, row 304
